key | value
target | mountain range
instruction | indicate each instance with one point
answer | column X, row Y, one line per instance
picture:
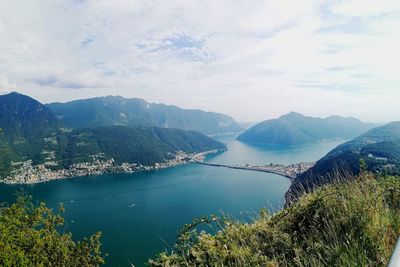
column 297, row 129
column 377, row 150
column 119, row 111
column 124, row 130
column 30, row 131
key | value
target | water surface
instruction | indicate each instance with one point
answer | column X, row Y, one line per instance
column 140, row 214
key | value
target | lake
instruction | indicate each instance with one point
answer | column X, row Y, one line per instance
column 140, row 214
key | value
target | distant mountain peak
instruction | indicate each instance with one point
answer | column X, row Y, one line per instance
column 336, row 117
column 293, row 115
column 21, row 115
column 295, row 129
column 15, row 98
column 15, row 94
column 106, row 111
column 117, row 97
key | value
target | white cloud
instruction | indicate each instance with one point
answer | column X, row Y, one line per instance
column 266, row 57
column 5, row 85
column 365, row 7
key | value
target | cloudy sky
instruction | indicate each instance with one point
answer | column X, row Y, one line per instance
column 251, row 59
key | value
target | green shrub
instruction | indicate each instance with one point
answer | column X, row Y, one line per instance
column 30, row 235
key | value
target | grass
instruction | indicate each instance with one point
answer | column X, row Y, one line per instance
column 355, row 223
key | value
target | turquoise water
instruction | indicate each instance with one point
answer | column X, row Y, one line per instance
column 241, row 153
column 140, row 214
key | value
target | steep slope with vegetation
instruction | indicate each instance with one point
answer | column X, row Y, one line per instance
column 297, row 129
column 24, row 124
column 116, row 110
column 139, row 145
column 33, row 235
column 351, row 224
column 30, row 131
column 378, row 150
column 23, row 117
column 132, row 145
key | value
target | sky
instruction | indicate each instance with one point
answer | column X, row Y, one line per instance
column 250, row 59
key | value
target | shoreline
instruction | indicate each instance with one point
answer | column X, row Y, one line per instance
column 288, row 171
column 28, row 174
column 92, row 175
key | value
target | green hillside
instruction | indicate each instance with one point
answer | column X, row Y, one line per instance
column 139, row 145
column 116, row 110
column 24, row 117
column 297, row 129
column 378, row 150
column 30, row 131
column 132, row 145
column 24, row 123
column 350, row 224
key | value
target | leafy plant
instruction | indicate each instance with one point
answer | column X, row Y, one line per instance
column 31, row 235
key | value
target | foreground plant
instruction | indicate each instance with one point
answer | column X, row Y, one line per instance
column 350, row 224
column 31, row 235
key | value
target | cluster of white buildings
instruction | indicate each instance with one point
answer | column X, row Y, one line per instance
column 25, row 172
column 290, row 171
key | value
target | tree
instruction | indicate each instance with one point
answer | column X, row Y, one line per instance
column 30, row 235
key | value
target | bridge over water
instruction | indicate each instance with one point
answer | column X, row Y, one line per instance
column 269, row 169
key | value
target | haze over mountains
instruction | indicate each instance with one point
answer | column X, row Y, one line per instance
column 30, row 131
column 378, row 150
column 296, row 129
column 116, row 110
